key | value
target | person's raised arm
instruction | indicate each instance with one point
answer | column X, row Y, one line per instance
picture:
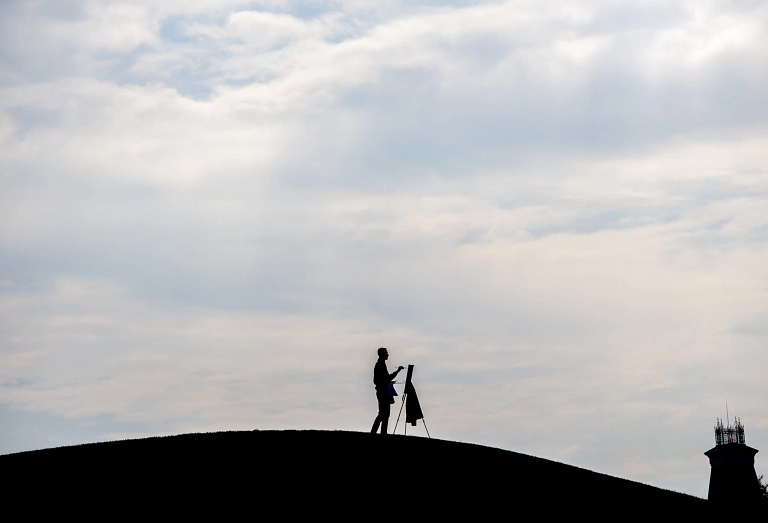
column 392, row 376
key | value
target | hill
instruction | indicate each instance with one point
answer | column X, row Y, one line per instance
column 313, row 473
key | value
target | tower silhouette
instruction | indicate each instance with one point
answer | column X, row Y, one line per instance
column 733, row 478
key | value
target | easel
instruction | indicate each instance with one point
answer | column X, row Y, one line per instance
column 409, row 389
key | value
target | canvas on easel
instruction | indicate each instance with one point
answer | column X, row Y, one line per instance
column 411, row 402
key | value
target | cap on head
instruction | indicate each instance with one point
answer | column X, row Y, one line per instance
column 382, row 351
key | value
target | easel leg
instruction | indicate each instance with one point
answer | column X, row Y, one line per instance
column 394, row 431
column 425, row 426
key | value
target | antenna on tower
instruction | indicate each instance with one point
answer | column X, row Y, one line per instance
column 727, row 417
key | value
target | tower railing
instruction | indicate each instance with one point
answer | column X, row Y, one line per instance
column 725, row 434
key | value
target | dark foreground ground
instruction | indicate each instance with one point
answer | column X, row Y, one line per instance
column 319, row 474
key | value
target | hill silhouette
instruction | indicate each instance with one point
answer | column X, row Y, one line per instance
column 321, row 473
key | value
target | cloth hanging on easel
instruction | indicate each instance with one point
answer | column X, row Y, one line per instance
column 412, row 407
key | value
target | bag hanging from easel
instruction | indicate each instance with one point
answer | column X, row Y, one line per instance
column 412, row 406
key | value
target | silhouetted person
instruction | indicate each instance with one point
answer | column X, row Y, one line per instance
column 382, row 378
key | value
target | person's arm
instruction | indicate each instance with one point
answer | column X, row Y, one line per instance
column 392, row 376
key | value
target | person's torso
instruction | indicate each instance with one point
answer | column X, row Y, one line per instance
column 380, row 374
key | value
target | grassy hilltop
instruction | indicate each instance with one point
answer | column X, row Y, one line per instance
column 312, row 473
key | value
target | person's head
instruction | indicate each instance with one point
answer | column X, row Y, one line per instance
column 383, row 353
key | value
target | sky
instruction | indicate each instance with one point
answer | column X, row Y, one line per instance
column 212, row 213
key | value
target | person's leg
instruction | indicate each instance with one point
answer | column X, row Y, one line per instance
column 377, row 421
column 384, row 415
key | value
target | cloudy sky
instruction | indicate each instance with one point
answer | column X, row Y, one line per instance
column 213, row 212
